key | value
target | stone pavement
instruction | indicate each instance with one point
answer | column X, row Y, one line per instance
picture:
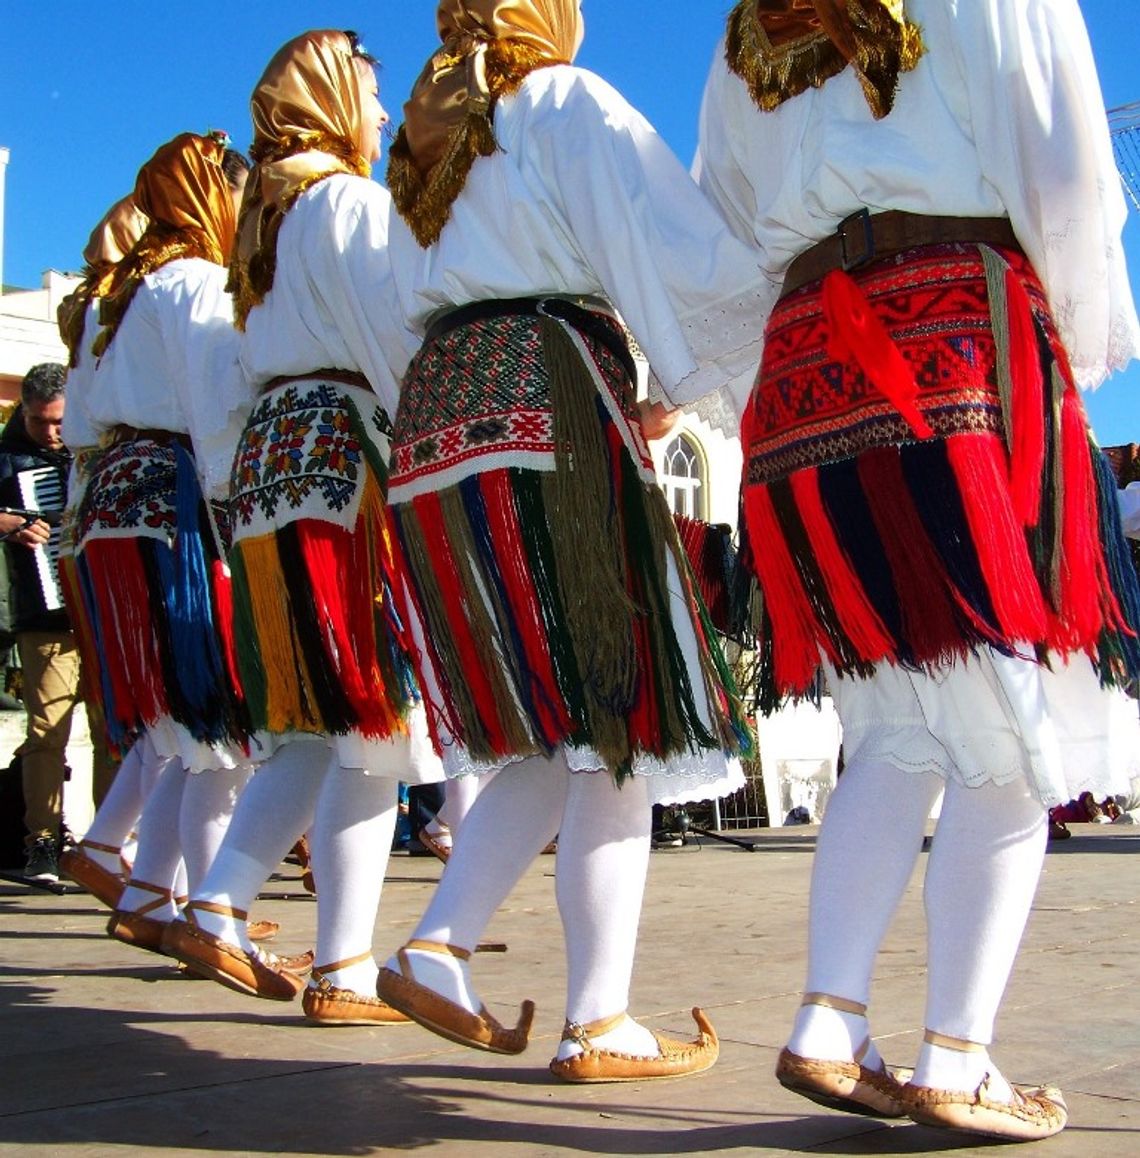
column 109, row 1051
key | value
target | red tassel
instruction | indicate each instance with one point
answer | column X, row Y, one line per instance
column 224, row 604
column 858, row 618
column 996, row 531
column 856, row 334
column 796, row 635
column 1027, row 438
column 130, row 645
column 1080, row 612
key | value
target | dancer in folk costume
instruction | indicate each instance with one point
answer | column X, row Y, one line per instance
column 101, row 860
column 321, row 653
column 147, row 564
column 930, row 519
column 560, row 637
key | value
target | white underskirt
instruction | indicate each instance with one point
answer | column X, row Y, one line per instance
column 995, row 718
column 409, row 758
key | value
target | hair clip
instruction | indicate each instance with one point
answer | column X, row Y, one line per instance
column 220, row 137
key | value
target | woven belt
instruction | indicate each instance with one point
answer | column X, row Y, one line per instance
column 864, row 237
column 591, row 317
column 344, row 377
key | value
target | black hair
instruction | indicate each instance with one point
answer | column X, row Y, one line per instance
column 43, row 383
column 358, row 49
column 235, row 165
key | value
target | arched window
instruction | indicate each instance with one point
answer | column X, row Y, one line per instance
column 684, row 478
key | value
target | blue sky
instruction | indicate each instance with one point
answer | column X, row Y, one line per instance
column 89, row 90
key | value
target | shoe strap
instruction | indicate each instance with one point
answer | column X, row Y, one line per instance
column 943, row 1041
column 212, row 907
column 830, row 1001
column 439, row 947
column 113, row 849
column 319, row 971
column 162, row 896
column 580, row 1033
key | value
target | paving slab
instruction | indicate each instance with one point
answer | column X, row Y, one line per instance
column 110, row 1051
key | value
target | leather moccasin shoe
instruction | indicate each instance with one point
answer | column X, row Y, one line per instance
column 842, row 1085
column 104, row 885
column 444, row 1017
column 326, row 1004
column 255, row 974
column 262, row 930
column 674, row 1058
column 1034, row 1112
column 138, row 930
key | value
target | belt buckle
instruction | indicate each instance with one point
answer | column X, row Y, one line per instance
column 849, row 261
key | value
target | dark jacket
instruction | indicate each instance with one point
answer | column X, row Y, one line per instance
column 18, row 453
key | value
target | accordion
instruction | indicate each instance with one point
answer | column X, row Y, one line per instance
column 41, row 490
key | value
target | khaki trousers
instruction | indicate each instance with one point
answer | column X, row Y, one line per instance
column 50, row 662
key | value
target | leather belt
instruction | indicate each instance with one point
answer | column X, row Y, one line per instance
column 865, row 237
column 344, row 377
column 586, row 315
column 123, row 433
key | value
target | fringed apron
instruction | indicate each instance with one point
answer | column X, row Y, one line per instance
column 320, row 647
column 922, row 494
column 154, row 593
column 552, row 600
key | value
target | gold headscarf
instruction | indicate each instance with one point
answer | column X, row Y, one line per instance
column 307, row 125
column 489, row 47
column 110, row 241
column 781, row 47
column 183, row 190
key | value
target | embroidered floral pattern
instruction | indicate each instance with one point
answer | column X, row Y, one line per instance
column 131, row 492
column 302, row 455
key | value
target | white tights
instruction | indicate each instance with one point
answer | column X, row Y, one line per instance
column 350, row 839
column 982, row 873
column 118, row 814
column 603, row 854
column 275, row 808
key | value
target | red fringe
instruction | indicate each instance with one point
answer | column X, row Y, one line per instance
column 406, row 604
column 796, row 635
column 1082, row 569
column 978, row 462
column 344, row 599
column 858, row 618
column 430, row 519
column 855, row 333
column 129, row 643
column 511, row 557
column 224, row 606
column 925, row 592
column 1027, row 437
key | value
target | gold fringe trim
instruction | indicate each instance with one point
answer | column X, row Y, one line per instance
column 886, row 44
column 250, row 279
column 424, row 200
column 158, row 246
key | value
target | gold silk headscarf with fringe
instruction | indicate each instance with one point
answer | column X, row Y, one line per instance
column 110, row 241
column 779, row 48
column 308, row 122
column 489, row 48
column 184, row 192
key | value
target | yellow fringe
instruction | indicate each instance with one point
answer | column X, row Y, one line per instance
column 288, row 694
